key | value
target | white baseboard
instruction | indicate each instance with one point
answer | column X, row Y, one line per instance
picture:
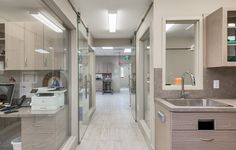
column 146, row 133
column 70, row 144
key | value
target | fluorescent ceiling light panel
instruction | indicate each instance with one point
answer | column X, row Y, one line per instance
column 127, row 50
column 107, row 48
column 46, row 21
column 41, row 51
column 231, row 25
column 112, row 17
column 168, row 26
column 189, row 27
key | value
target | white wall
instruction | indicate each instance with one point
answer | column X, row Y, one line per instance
column 124, row 82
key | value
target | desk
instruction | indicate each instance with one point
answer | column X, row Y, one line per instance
column 39, row 130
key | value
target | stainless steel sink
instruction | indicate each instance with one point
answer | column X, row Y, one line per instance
column 197, row 103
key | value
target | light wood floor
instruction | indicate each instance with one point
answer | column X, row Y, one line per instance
column 112, row 127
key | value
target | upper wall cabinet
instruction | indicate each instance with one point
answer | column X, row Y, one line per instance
column 221, row 38
column 14, row 46
column 24, row 42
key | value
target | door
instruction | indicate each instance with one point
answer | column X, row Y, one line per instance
column 84, row 81
column 146, row 76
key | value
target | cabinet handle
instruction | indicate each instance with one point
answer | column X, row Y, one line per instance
column 161, row 116
column 36, row 125
column 207, row 140
column 6, row 63
column 26, row 62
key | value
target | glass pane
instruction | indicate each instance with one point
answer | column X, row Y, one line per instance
column 146, row 75
column 231, row 41
column 84, row 82
column 180, row 51
column 34, row 57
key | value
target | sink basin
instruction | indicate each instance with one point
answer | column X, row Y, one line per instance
column 197, row 103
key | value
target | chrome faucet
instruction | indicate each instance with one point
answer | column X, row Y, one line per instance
column 183, row 94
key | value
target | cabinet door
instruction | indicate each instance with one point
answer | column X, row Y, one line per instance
column 50, row 46
column 104, row 68
column 14, row 45
column 59, row 52
column 109, row 68
column 33, row 40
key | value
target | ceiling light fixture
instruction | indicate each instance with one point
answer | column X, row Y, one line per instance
column 127, row 50
column 57, row 27
column 107, row 48
column 148, row 47
column 189, row 27
column 112, row 18
column 168, row 26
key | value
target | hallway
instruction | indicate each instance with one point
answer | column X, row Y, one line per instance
column 112, row 126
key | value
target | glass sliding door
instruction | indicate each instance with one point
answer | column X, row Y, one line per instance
column 84, row 80
column 146, row 76
column 133, row 102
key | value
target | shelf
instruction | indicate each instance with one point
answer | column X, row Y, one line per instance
column 231, row 44
column 2, row 39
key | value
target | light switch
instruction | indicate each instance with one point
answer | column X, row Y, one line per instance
column 216, row 84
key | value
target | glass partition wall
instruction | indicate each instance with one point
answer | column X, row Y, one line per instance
column 133, row 102
column 84, row 80
column 34, row 54
column 145, row 45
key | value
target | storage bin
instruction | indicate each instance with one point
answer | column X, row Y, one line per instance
column 16, row 143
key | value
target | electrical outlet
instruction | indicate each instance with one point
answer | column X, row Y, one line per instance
column 216, row 84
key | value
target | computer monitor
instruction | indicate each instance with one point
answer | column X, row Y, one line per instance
column 6, row 93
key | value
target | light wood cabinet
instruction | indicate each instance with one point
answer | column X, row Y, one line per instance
column 14, row 46
column 22, row 38
column 104, row 68
column 33, row 40
column 180, row 131
column 221, row 38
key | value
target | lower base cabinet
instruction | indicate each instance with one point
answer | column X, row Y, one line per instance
column 44, row 133
column 180, row 131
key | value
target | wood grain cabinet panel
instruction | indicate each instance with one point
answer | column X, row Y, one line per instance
column 180, row 131
column 204, row 140
column 219, row 51
column 44, row 133
column 14, row 45
column 189, row 121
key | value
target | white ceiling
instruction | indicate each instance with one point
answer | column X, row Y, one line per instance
column 95, row 15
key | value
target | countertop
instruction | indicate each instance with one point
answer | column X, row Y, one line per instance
column 27, row 112
column 174, row 108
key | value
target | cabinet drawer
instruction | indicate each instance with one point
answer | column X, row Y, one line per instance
column 38, row 125
column 204, row 140
column 189, row 121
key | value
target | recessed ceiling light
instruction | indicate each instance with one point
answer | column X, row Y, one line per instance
column 112, row 18
column 168, row 26
column 107, row 48
column 127, row 50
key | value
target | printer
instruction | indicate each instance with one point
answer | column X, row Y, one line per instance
column 47, row 99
